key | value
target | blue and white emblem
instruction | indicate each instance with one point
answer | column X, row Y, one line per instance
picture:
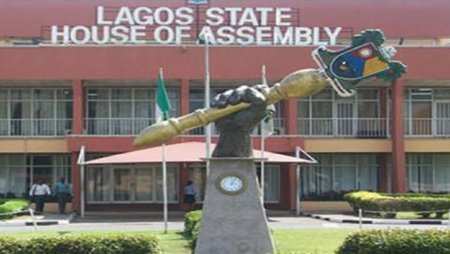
column 366, row 57
column 197, row 1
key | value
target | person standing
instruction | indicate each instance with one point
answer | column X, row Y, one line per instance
column 62, row 192
column 39, row 192
column 189, row 195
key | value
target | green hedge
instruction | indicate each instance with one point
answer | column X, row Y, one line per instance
column 397, row 241
column 192, row 222
column 82, row 244
column 391, row 203
column 11, row 206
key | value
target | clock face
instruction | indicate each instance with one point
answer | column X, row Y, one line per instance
column 231, row 184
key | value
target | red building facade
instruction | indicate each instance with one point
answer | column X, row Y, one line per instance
column 56, row 96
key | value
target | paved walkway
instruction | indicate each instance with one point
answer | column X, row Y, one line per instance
column 340, row 218
column 40, row 219
column 281, row 218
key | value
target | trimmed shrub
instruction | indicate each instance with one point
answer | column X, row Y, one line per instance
column 191, row 219
column 11, row 206
column 192, row 222
column 82, row 244
column 397, row 241
column 391, row 203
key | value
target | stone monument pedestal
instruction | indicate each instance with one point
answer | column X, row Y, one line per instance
column 233, row 218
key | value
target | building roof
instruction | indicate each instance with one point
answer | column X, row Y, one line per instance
column 182, row 152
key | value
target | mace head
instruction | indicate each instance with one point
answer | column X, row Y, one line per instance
column 366, row 57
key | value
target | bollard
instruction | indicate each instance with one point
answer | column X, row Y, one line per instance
column 33, row 219
column 360, row 218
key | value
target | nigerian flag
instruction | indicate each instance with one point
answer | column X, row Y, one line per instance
column 162, row 99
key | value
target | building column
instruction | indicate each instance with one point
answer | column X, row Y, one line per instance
column 383, row 110
column 289, row 115
column 399, row 183
column 382, row 158
column 78, row 107
column 184, row 97
column 288, row 186
column 184, row 178
column 76, row 182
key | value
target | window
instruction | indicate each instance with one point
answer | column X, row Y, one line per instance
column 35, row 111
column 197, row 174
column 427, row 112
column 271, row 182
column 20, row 171
column 428, row 172
column 130, row 184
column 123, row 111
column 327, row 114
column 338, row 173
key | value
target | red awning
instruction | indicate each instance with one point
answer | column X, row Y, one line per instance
column 182, row 152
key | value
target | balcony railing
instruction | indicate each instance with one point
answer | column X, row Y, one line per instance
column 344, row 127
column 35, row 127
column 117, row 126
column 278, row 124
column 437, row 127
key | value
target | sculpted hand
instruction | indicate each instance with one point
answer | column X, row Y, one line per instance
column 235, row 129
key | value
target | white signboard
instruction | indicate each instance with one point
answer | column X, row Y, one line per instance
column 223, row 25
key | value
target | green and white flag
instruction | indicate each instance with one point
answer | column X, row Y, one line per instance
column 162, row 99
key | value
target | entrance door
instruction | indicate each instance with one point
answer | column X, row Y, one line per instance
column 123, row 185
column 344, row 119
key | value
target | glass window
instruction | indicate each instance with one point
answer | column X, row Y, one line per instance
column 3, row 94
column 37, row 115
column 122, row 184
column 420, row 172
column 442, row 94
column 172, row 184
column 144, row 184
column 121, row 93
column 124, row 111
column 442, row 173
column 17, row 181
column 367, row 94
column 98, row 94
column 64, row 94
column 43, row 94
column 19, row 171
column 20, row 94
column 197, row 174
column 98, row 184
column 339, row 173
column 4, row 181
column 271, row 183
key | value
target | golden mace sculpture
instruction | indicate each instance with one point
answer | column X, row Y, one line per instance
column 341, row 69
column 298, row 84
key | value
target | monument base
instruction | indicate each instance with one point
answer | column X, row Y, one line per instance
column 233, row 217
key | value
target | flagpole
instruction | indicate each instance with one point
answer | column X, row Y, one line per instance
column 207, row 100
column 81, row 163
column 164, row 165
column 264, row 81
column 164, row 168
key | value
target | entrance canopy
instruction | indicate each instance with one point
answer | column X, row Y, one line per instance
column 182, row 152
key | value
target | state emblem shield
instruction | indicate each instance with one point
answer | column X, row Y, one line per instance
column 363, row 59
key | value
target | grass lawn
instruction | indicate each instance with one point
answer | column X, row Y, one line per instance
column 409, row 215
column 311, row 241
column 302, row 241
